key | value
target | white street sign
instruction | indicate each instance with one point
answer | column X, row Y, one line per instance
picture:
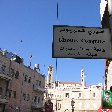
column 81, row 42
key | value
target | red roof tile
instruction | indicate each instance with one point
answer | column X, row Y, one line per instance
column 69, row 82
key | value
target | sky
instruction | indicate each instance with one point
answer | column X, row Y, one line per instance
column 32, row 22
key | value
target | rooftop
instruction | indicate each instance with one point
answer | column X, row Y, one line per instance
column 69, row 83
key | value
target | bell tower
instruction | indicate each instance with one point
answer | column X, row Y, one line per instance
column 50, row 75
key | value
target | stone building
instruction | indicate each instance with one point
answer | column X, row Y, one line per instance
column 106, row 22
column 21, row 87
column 74, row 96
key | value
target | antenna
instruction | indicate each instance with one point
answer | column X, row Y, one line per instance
column 20, row 45
column 30, row 59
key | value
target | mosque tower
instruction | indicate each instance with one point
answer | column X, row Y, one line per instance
column 50, row 75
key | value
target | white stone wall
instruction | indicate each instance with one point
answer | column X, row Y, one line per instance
column 83, row 102
column 109, row 76
column 102, row 7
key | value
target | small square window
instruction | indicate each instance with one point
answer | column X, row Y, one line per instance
column 67, row 95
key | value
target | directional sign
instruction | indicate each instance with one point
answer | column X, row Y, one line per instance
column 81, row 42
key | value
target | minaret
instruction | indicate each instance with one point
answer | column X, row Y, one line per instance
column 50, row 76
column 82, row 77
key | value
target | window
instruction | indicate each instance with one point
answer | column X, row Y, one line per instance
column 33, row 86
column 17, row 74
column 58, row 106
column 79, row 94
column 93, row 94
column 35, row 99
column 0, row 90
column 10, row 91
column 67, row 95
column 25, row 79
column 24, row 96
column 29, row 81
column 14, row 93
column 3, row 68
column 28, row 97
column 38, row 99
column 39, row 83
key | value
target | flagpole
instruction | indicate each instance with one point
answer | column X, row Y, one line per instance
column 57, row 24
column 56, row 58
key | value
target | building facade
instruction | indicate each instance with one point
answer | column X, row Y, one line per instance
column 74, row 96
column 21, row 87
column 106, row 22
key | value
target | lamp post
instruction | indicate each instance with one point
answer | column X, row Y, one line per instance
column 17, row 109
column 72, row 104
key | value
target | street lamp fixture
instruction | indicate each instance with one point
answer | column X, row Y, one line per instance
column 72, row 104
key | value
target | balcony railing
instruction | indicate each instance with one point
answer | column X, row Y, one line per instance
column 37, row 105
column 39, row 89
column 4, row 99
column 5, row 75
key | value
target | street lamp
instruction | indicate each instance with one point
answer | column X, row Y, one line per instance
column 17, row 109
column 72, row 104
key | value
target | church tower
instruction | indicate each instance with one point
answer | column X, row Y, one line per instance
column 50, row 75
column 82, row 77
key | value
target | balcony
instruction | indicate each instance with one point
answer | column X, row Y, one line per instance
column 4, row 75
column 37, row 105
column 39, row 89
column 3, row 99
